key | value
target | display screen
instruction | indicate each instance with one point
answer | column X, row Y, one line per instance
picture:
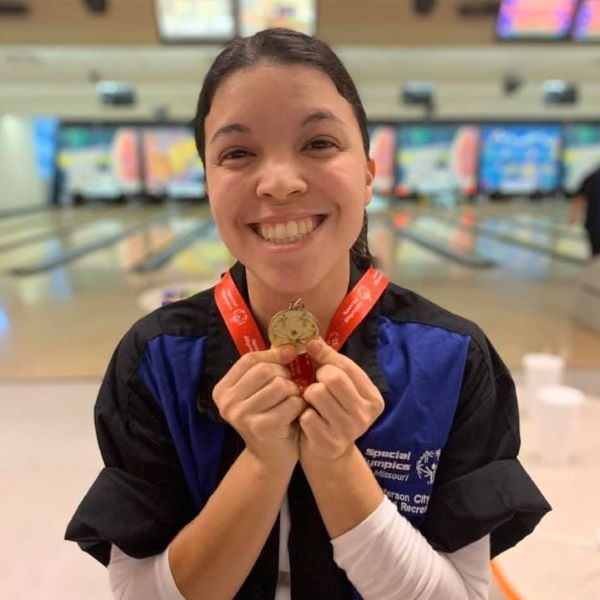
column 520, row 159
column 98, row 161
column 535, row 19
column 382, row 141
column 581, row 154
column 587, row 22
column 195, row 20
column 255, row 15
column 436, row 159
column 172, row 166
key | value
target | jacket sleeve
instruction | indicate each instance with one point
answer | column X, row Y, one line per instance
column 140, row 500
column 481, row 487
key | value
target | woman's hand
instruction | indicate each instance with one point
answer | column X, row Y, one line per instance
column 342, row 405
column 260, row 401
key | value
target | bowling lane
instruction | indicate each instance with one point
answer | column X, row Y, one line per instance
column 18, row 211
column 548, row 215
column 552, row 241
column 22, row 224
column 132, row 249
column 56, row 221
column 523, row 219
column 551, row 211
column 530, row 253
column 113, row 224
column 457, row 246
column 558, row 243
column 397, row 217
column 103, row 295
column 412, row 263
column 545, row 224
column 204, row 259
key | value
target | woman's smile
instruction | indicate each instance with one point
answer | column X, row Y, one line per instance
column 285, row 232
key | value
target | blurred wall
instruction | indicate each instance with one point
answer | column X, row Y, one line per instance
column 20, row 184
column 50, row 59
column 60, row 80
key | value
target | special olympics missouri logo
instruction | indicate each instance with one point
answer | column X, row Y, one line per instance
column 427, row 465
column 333, row 339
column 238, row 317
column 364, row 293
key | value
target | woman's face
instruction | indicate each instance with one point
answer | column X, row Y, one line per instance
column 286, row 174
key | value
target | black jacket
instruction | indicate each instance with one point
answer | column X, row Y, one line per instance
column 444, row 450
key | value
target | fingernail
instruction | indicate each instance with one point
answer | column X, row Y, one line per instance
column 286, row 352
column 315, row 346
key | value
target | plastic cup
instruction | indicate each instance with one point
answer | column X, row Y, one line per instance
column 556, row 415
column 540, row 369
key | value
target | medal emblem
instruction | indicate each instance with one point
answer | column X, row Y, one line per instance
column 295, row 325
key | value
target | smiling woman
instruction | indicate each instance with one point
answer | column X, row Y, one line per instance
column 294, row 159
column 371, row 452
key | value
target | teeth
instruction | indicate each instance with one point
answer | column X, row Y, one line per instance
column 287, row 233
column 292, row 229
column 279, row 231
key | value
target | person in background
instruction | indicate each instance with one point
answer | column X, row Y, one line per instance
column 587, row 200
column 369, row 450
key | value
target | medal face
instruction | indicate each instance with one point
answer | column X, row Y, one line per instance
column 293, row 326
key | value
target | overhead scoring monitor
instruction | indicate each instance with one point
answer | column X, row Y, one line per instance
column 523, row 20
column 299, row 15
column 586, row 27
column 195, row 20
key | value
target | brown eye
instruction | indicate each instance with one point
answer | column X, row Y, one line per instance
column 320, row 144
column 236, row 154
column 233, row 156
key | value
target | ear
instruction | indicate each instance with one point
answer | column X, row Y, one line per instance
column 370, row 179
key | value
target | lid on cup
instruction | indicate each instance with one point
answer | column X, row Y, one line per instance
column 543, row 360
column 560, row 395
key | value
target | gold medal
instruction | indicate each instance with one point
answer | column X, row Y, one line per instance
column 293, row 326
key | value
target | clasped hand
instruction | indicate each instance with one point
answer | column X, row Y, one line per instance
column 258, row 398
column 342, row 404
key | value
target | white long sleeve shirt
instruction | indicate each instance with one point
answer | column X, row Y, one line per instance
column 384, row 557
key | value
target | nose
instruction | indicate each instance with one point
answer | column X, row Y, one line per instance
column 280, row 180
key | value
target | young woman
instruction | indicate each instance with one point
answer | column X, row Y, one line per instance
column 305, row 429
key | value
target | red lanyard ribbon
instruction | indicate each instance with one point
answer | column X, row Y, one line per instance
column 348, row 316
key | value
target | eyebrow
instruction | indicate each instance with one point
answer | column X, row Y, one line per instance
column 320, row 115
column 314, row 117
column 230, row 128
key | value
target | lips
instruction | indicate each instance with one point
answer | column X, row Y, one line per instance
column 288, row 232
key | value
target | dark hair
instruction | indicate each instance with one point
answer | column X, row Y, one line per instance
column 284, row 46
